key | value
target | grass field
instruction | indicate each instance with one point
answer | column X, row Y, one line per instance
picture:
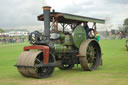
column 113, row 72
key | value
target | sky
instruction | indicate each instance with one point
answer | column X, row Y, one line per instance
column 19, row 14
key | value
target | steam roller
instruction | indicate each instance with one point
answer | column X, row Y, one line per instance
column 67, row 40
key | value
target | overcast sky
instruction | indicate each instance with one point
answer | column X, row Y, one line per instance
column 23, row 13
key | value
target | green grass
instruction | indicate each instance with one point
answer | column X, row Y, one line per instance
column 113, row 72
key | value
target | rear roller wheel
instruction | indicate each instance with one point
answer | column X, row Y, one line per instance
column 90, row 52
column 28, row 61
column 127, row 45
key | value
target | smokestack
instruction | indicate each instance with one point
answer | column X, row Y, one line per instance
column 46, row 10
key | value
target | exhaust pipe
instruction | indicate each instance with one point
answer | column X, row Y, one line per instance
column 46, row 10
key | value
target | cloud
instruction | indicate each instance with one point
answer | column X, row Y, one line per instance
column 14, row 13
column 18, row 13
column 100, row 9
column 117, row 1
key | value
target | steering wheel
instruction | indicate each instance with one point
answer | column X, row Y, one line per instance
column 91, row 33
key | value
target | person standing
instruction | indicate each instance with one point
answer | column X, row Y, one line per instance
column 86, row 27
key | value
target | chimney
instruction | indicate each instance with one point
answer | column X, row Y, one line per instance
column 46, row 10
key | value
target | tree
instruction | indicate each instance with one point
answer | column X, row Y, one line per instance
column 126, row 21
column 125, row 25
column 1, row 30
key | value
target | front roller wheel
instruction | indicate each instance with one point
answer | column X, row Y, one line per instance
column 28, row 61
column 90, row 55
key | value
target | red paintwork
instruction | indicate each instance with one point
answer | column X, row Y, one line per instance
column 43, row 48
column 78, row 55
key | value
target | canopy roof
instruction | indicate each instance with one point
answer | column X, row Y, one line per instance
column 70, row 18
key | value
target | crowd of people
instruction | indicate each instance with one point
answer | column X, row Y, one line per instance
column 113, row 35
column 12, row 39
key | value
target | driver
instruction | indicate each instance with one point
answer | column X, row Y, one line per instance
column 86, row 29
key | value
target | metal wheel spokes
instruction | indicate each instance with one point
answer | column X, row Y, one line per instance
column 91, row 56
column 90, row 52
column 43, row 71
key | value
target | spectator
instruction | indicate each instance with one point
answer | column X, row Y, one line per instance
column 97, row 37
